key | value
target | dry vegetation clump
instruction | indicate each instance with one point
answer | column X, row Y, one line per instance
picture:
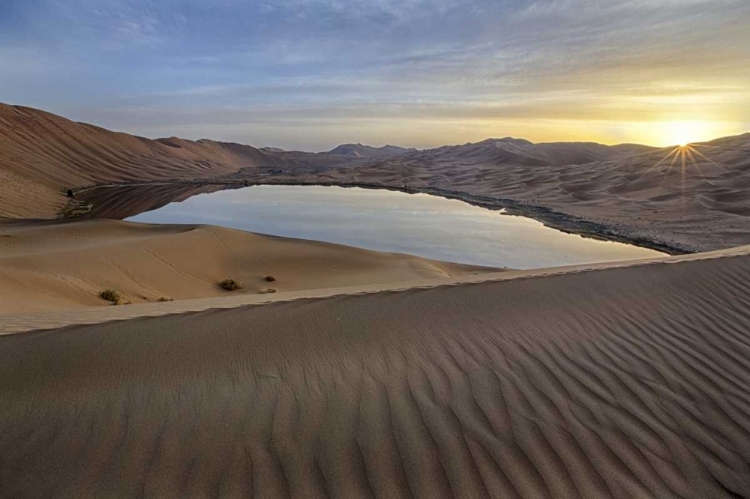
column 270, row 278
column 266, row 291
column 230, row 285
column 163, row 299
column 111, row 295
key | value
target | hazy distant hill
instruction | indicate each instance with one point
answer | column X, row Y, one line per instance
column 523, row 152
column 363, row 151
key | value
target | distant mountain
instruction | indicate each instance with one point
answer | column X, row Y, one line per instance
column 363, row 151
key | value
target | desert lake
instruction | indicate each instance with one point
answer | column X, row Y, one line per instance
column 418, row 224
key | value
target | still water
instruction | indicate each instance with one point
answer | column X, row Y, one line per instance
column 417, row 224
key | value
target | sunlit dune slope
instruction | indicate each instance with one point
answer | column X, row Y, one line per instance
column 50, row 266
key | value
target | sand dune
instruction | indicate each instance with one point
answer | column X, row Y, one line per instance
column 48, row 266
column 631, row 191
column 622, row 382
column 42, row 155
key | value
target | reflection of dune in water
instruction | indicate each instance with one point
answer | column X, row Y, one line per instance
column 123, row 202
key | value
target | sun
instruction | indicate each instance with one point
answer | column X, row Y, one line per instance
column 682, row 133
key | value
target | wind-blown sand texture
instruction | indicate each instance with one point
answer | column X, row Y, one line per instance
column 53, row 265
column 622, row 382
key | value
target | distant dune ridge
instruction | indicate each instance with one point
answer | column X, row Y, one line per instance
column 362, row 151
column 637, row 192
column 622, row 382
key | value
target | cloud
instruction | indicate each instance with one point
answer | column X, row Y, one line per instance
column 230, row 62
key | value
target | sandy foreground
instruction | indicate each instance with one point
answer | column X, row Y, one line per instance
column 630, row 381
column 52, row 266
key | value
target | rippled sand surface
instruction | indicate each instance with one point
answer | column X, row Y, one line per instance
column 619, row 382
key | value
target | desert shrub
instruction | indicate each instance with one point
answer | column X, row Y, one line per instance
column 163, row 299
column 111, row 295
column 230, row 285
column 270, row 278
column 267, row 291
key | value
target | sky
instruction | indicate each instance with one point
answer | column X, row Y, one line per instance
column 311, row 74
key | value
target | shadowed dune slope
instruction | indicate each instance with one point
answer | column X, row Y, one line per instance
column 624, row 382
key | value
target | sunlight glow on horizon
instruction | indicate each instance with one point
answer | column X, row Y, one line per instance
column 682, row 133
column 679, row 133
column 657, row 133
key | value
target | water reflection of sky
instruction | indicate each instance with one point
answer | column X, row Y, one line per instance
column 418, row 224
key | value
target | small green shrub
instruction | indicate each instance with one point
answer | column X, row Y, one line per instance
column 111, row 295
column 230, row 285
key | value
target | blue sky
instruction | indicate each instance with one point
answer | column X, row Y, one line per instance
column 309, row 74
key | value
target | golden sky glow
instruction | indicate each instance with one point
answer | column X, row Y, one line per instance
column 682, row 133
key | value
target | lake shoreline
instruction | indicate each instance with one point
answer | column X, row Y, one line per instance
column 553, row 219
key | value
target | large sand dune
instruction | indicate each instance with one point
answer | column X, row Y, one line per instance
column 42, row 155
column 620, row 382
column 49, row 265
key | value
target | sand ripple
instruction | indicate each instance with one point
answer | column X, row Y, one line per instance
column 627, row 382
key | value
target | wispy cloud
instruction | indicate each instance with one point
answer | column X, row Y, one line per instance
column 228, row 62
